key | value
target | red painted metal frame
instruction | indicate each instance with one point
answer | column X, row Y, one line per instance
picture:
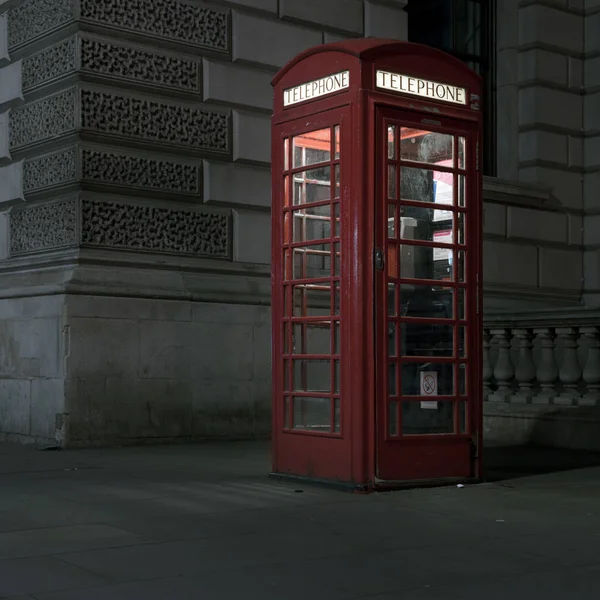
column 424, row 456
column 351, row 456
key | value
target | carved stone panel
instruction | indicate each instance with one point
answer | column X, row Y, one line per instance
column 104, row 58
column 48, row 118
column 177, row 20
column 4, row 129
column 49, row 64
column 51, row 170
column 111, row 168
column 32, row 19
column 4, row 37
column 153, row 121
column 43, row 227
column 111, row 60
column 118, row 226
column 180, row 21
column 124, row 170
column 154, row 229
column 118, row 115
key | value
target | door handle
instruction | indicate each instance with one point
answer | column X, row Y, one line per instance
column 379, row 261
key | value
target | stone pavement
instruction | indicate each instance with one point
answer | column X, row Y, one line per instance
column 203, row 522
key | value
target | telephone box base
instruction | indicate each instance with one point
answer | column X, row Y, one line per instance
column 343, row 486
column 376, row 486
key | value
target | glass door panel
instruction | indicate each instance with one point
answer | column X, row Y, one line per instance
column 423, row 229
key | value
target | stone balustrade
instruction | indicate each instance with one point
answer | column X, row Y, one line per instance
column 543, row 359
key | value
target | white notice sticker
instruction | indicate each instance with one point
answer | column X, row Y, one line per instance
column 429, row 383
column 429, row 404
column 429, row 387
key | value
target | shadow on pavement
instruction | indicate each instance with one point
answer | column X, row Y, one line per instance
column 502, row 463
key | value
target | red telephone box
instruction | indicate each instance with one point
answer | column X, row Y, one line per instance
column 376, row 266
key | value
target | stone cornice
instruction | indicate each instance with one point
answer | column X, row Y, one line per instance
column 576, row 316
column 100, row 273
column 517, row 193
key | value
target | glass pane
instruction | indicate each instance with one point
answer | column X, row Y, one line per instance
column 462, row 304
column 312, row 375
column 393, row 418
column 312, row 338
column 442, row 373
column 337, row 181
column 312, row 224
column 425, row 185
column 392, row 261
column 462, row 201
column 312, row 301
column 312, row 413
column 286, row 152
column 391, row 142
column 336, row 415
column 312, row 147
column 312, row 262
column 286, row 376
column 462, row 266
column 392, row 379
column 462, row 152
column 337, row 261
column 286, row 228
column 462, row 380
column 337, row 141
column 392, row 330
column 462, row 417
column 459, row 219
column 287, row 417
column 462, row 342
column 287, row 305
column 425, row 301
column 426, row 339
column 430, row 23
column 391, row 221
column 391, row 300
column 427, row 417
column 337, row 378
column 426, row 146
column 420, row 262
column 336, row 298
column 312, row 186
column 426, row 224
column 467, row 22
column 286, row 190
column 337, row 344
column 392, row 181
column 286, row 338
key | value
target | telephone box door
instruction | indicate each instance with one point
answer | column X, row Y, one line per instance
column 427, row 261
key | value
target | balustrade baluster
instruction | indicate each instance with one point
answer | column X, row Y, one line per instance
column 525, row 369
column 547, row 370
column 591, row 371
column 570, row 371
column 488, row 371
column 503, row 371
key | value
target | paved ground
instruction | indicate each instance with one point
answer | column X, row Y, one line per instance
column 202, row 522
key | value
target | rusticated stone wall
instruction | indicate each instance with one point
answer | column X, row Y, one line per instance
column 134, row 210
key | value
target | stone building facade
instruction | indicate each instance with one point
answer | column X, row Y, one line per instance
column 135, row 195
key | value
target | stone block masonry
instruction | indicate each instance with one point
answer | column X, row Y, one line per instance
column 134, row 211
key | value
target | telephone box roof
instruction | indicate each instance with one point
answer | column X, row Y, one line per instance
column 370, row 49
